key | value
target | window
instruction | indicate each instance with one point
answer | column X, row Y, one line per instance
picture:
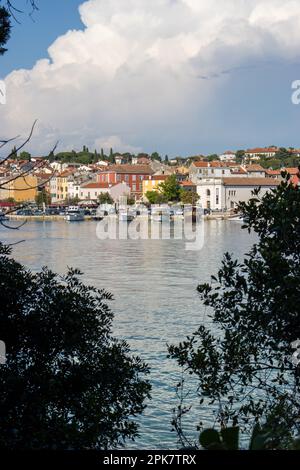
column 223, row 172
column 208, row 192
column 141, row 177
column 134, row 187
column 133, row 177
column 126, row 178
column 118, row 178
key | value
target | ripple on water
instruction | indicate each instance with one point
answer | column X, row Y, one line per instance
column 155, row 300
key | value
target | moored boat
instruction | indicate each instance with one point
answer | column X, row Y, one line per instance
column 74, row 214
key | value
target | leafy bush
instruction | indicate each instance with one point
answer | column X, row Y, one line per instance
column 67, row 383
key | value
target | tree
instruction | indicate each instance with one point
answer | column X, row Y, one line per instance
column 130, row 200
column 240, row 155
column 73, row 201
column 156, row 156
column 43, row 197
column 156, row 197
column 283, row 153
column 170, row 188
column 25, row 156
column 213, row 157
column 6, row 13
column 188, row 197
column 5, row 27
column 243, row 361
column 105, row 198
column 67, row 383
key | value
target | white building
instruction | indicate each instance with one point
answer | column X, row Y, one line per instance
column 92, row 190
column 225, row 193
column 228, row 156
column 257, row 153
column 255, row 171
column 216, row 169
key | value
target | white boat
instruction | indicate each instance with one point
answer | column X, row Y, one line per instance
column 125, row 215
column 237, row 218
column 74, row 214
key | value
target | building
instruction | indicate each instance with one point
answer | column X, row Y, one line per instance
column 255, row 171
column 228, row 156
column 141, row 160
column 59, row 189
column 91, row 191
column 258, row 153
column 188, row 186
column 20, row 188
column 132, row 175
column 215, row 169
column 225, row 193
column 152, row 183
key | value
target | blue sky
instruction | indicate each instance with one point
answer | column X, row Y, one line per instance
column 31, row 39
column 183, row 78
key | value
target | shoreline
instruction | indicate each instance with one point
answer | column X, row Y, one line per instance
column 50, row 218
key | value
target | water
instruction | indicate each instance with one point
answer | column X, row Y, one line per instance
column 155, row 300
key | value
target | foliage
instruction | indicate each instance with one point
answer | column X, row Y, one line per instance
column 105, row 198
column 156, row 197
column 261, row 438
column 5, row 27
column 43, row 197
column 156, row 156
column 188, row 197
column 243, row 359
column 170, row 188
column 67, row 383
column 212, row 158
column 130, row 200
column 240, row 155
column 25, row 156
column 73, row 201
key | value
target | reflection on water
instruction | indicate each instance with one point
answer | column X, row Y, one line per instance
column 155, row 300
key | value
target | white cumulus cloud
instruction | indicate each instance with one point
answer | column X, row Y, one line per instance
column 141, row 73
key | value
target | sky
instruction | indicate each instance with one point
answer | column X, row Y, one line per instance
column 181, row 77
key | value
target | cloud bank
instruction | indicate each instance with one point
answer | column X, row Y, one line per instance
column 145, row 75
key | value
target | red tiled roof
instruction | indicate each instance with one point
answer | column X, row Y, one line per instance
column 187, row 183
column 262, row 150
column 291, row 171
column 254, row 168
column 96, row 185
column 158, row 177
column 130, row 169
column 214, row 164
column 250, row 182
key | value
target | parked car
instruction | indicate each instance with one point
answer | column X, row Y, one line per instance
column 24, row 212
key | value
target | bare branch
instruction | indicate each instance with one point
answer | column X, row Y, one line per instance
column 13, row 228
column 13, row 152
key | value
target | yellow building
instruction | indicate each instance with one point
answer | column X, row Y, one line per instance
column 59, row 186
column 153, row 182
column 24, row 188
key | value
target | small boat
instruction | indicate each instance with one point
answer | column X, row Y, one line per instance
column 125, row 215
column 74, row 214
column 237, row 218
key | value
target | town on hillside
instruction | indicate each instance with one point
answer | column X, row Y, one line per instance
column 217, row 183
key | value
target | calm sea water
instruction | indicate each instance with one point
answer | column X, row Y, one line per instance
column 155, row 300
